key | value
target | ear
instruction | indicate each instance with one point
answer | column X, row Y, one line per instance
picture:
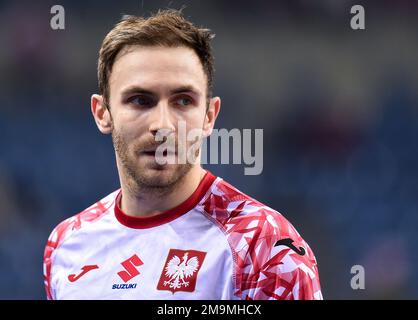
column 101, row 114
column 211, row 115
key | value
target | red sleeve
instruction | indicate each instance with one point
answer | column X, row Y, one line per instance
column 279, row 266
column 55, row 239
column 47, row 264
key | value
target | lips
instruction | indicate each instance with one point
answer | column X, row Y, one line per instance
column 152, row 152
column 149, row 153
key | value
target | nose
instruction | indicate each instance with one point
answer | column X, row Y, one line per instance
column 161, row 119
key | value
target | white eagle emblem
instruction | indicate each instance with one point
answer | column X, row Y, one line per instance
column 178, row 271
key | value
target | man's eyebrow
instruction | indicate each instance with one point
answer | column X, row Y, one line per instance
column 187, row 88
column 141, row 90
column 136, row 89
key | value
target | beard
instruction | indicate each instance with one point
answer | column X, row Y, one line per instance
column 143, row 173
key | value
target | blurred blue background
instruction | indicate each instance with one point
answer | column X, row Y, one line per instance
column 338, row 108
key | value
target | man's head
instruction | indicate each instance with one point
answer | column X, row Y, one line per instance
column 165, row 29
column 155, row 76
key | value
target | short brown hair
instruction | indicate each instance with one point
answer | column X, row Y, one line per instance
column 165, row 28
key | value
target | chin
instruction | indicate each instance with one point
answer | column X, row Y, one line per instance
column 161, row 176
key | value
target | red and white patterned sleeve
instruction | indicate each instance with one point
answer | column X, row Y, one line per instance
column 47, row 264
column 279, row 264
column 54, row 240
column 65, row 229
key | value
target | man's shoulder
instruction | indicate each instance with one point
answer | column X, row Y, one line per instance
column 264, row 243
column 78, row 221
column 236, row 211
column 69, row 227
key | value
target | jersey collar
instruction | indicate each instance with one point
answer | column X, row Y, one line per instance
column 166, row 216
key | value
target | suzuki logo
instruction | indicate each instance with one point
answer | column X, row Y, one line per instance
column 130, row 267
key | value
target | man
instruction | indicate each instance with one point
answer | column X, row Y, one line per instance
column 173, row 230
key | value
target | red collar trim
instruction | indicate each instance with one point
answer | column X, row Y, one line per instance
column 166, row 216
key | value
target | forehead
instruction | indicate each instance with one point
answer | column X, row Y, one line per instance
column 157, row 68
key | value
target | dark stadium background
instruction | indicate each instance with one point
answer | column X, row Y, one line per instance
column 338, row 108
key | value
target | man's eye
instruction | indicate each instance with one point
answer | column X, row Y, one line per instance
column 142, row 101
column 184, row 101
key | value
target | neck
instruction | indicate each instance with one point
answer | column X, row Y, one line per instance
column 149, row 203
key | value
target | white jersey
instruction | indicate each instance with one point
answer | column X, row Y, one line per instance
column 218, row 244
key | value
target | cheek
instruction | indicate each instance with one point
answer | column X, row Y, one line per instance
column 195, row 132
column 130, row 128
column 195, row 119
column 124, row 139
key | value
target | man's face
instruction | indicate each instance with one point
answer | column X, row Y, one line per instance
column 154, row 90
